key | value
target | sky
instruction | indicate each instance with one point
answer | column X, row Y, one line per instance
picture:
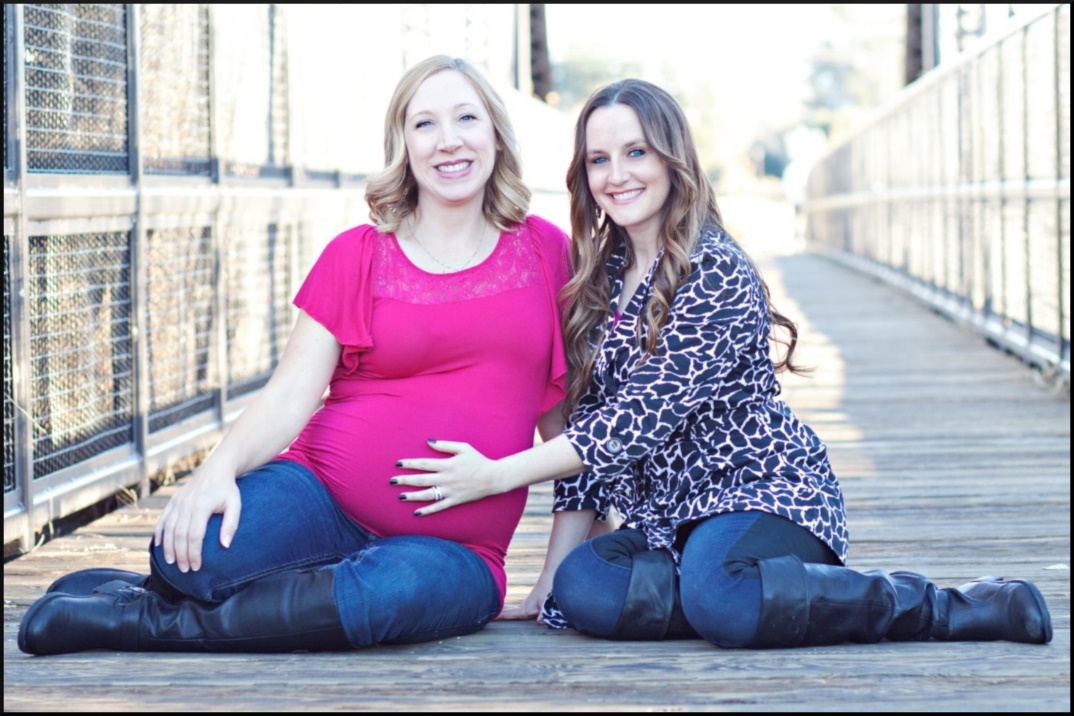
column 750, row 62
column 731, row 46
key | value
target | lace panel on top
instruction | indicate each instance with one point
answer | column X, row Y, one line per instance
column 513, row 264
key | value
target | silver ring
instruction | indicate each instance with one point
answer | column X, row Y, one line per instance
column 438, row 493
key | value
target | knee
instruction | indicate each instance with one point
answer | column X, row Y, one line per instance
column 569, row 584
column 723, row 611
column 169, row 579
column 590, row 592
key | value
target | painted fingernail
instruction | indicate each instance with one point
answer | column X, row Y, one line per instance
column 431, row 440
column 418, row 513
column 393, row 481
column 399, row 464
column 403, row 497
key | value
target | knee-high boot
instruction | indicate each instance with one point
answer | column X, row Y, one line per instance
column 653, row 609
column 84, row 581
column 289, row 611
column 817, row 604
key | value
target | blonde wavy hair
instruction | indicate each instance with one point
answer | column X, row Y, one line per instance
column 392, row 193
column 689, row 211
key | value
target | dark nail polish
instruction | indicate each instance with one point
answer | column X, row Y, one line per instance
column 393, row 481
column 431, row 440
column 417, row 514
column 402, row 497
column 399, row 464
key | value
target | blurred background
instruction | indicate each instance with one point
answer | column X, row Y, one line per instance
column 172, row 170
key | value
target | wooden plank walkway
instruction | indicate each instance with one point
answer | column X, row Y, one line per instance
column 954, row 461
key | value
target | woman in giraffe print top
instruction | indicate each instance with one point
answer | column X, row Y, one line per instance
column 733, row 527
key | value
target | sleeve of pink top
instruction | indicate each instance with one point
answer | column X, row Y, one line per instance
column 337, row 291
column 552, row 246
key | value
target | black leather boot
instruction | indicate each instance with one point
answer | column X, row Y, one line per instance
column 84, row 581
column 290, row 611
column 807, row 604
column 993, row 608
column 652, row 610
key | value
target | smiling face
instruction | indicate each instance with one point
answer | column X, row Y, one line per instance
column 450, row 140
column 627, row 179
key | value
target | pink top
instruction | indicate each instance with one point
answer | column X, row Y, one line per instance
column 473, row 356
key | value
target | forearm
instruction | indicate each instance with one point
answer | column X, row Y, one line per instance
column 550, row 460
column 569, row 529
column 263, row 430
column 279, row 412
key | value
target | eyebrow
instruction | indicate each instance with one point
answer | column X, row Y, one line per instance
column 460, row 105
column 625, row 145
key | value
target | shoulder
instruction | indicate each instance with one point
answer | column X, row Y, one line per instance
column 545, row 230
column 718, row 253
column 354, row 245
column 355, row 238
column 723, row 276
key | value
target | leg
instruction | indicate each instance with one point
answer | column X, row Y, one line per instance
column 779, row 587
column 395, row 590
column 289, row 524
column 404, row 590
column 615, row 587
column 721, row 583
column 808, row 604
column 289, row 521
column 280, row 501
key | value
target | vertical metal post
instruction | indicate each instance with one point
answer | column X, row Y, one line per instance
column 1060, row 339
column 22, row 390
column 219, row 340
column 1001, row 114
column 1026, row 202
column 139, row 277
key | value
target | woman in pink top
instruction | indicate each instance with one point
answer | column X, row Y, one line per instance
column 439, row 319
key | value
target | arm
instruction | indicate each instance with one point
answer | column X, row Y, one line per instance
column 265, row 428
column 569, row 529
column 715, row 316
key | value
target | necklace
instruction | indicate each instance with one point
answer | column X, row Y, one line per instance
column 480, row 242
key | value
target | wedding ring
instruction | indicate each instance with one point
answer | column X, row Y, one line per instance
column 438, row 493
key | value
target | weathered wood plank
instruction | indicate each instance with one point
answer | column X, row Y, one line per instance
column 954, row 462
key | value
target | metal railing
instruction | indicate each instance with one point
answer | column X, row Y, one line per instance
column 959, row 191
column 157, row 222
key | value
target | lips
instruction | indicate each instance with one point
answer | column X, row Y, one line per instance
column 454, row 167
column 626, row 195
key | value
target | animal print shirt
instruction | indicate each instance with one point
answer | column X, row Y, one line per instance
column 698, row 429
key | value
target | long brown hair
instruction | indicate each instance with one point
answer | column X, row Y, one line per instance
column 689, row 212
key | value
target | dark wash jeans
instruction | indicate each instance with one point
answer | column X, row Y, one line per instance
column 719, row 582
column 387, row 589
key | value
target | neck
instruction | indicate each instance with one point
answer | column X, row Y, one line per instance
column 645, row 252
column 448, row 224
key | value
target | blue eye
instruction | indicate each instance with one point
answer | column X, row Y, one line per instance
column 467, row 117
column 422, row 123
column 598, row 160
column 636, row 153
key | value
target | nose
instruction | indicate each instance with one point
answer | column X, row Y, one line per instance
column 449, row 138
column 618, row 173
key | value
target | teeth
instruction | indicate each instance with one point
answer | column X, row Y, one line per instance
column 626, row 195
column 453, row 167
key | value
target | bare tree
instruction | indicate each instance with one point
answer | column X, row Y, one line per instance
column 540, row 67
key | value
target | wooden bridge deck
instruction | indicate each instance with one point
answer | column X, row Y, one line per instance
column 954, row 462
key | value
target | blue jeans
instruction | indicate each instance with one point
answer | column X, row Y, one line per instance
column 719, row 582
column 388, row 589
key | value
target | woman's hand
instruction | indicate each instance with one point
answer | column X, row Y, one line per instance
column 182, row 526
column 530, row 608
column 465, row 477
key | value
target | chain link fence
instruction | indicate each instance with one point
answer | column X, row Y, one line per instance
column 155, row 231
